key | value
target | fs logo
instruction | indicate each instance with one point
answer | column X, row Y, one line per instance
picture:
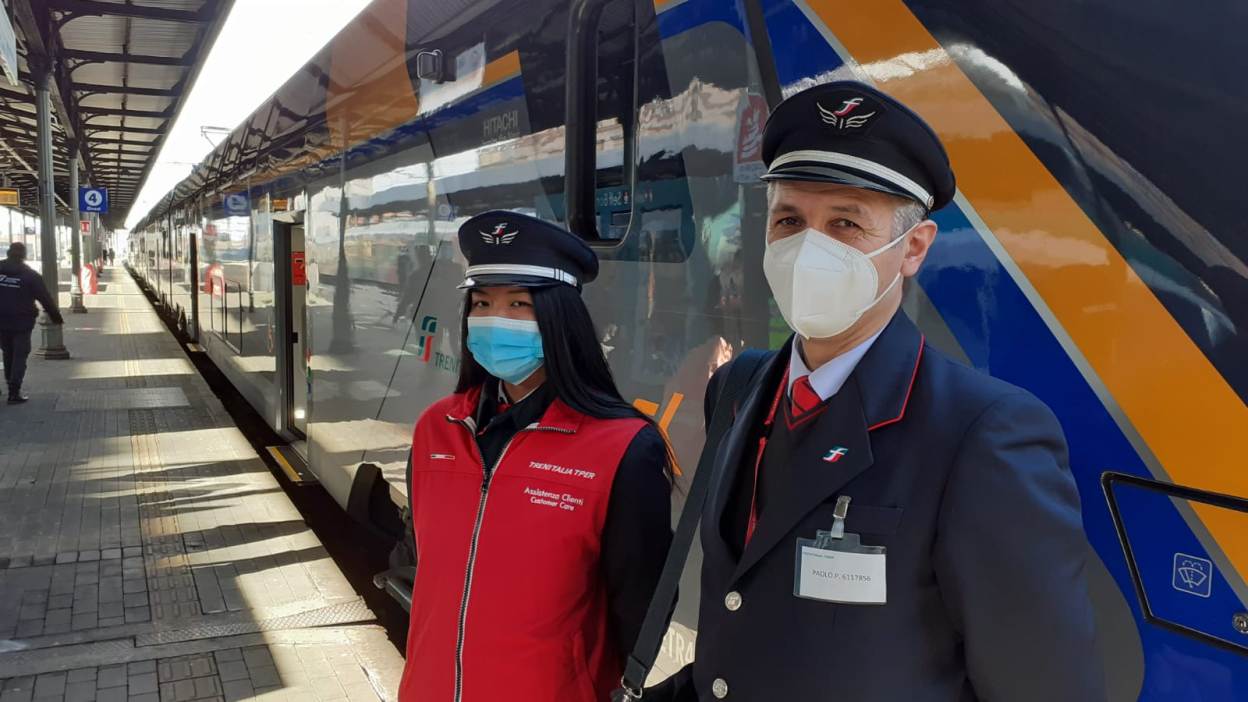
column 499, row 236
column 843, row 117
column 428, row 332
column 836, row 454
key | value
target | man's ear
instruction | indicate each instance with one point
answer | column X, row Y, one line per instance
column 916, row 247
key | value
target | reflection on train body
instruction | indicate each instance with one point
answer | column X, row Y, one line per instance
column 1095, row 256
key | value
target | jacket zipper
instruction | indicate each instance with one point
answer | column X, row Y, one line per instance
column 487, row 476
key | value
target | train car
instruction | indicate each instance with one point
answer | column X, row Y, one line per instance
column 1095, row 253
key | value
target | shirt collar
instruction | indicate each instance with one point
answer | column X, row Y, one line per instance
column 520, row 414
column 828, row 379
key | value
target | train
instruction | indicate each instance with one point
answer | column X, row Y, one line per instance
column 1094, row 255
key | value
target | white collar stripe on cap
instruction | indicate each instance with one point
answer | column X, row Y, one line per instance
column 519, row 269
column 861, row 164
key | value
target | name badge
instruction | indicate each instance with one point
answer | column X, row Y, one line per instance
column 836, row 566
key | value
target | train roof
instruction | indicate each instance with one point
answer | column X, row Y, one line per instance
column 360, row 79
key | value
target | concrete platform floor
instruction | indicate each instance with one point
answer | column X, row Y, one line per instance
column 146, row 552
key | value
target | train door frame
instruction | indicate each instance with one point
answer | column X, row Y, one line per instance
column 192, row 244
column 292, row 332
column 166, row 273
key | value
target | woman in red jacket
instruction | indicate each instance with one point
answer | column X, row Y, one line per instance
column 540, row 498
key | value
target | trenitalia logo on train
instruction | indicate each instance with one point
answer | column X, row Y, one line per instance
column 428, row 332
column 425, row 351
column 1085, row 259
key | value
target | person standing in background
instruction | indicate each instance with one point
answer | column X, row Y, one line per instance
column 20, row 288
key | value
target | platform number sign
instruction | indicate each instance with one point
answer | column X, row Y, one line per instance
column 237, row 205
column 93, row 199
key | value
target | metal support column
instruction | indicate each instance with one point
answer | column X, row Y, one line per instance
column 12, row 234
column 53, row 345
column 75, row 236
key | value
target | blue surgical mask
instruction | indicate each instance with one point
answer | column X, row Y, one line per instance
column 508, row 349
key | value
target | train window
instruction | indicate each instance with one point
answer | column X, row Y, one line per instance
column 656, row 122
column 696, row 206
column 497, row 131
column 600, row 107
column 391, row 226
column 490, row 134
column 1179, row 585
column 675, row 114
column 699, row 107
column 226, row 263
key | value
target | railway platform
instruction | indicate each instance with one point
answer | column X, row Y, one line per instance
column 146, row 552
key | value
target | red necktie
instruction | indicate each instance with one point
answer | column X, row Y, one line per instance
column 803, row 397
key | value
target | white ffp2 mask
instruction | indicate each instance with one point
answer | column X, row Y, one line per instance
column 821, row 285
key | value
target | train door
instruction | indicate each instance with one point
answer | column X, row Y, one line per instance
column 290, row 285
column 299, row 377
column 192, row 274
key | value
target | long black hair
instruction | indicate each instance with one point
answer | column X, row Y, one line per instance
column 576, row 368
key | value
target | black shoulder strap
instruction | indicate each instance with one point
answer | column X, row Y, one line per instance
column 641, row 660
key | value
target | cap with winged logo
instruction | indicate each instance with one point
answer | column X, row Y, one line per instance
column 851, row 133
column 509, row 248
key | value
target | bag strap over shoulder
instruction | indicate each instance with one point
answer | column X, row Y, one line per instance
column 641, row 660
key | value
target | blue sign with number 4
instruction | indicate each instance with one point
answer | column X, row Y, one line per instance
column 93, row 199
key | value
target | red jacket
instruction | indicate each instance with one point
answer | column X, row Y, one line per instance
column 509, row 601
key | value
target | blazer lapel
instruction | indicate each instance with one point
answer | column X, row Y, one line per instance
column 887, row 373
column 751, row 412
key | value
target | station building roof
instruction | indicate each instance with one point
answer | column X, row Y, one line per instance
column 121, row 70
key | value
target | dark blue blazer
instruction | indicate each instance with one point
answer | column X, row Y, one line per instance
column 965, row 480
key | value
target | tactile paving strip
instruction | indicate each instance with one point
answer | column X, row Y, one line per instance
column 35, row 661
column 120, row 399
column 354, row 612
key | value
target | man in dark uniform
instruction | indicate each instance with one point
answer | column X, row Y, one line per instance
column 885, row 524
column 20, row 288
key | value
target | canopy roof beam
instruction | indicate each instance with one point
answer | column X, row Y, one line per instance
column 106, row 57
column 90, row 7
column 109, row 151
column 126, row 90
column 115, row 140
column 41, row 55
column 94, row 129
column 92, row 112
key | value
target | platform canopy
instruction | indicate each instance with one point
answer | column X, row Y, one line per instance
column 121, row 70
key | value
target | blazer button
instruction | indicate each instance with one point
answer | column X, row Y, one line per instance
column 733, row 601
column 719, row 688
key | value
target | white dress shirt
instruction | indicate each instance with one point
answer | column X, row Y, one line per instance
column 828, row 378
